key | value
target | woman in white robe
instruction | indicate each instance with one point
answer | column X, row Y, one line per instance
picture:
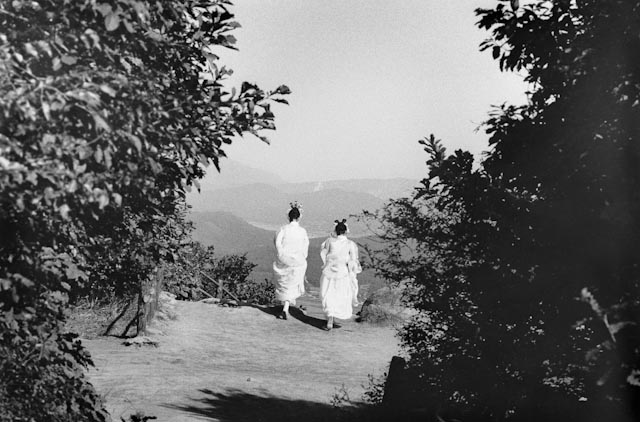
column 290, row 266
column 338, row 282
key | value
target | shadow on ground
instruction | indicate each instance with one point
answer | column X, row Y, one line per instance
column 298, row 314
column 236, row 405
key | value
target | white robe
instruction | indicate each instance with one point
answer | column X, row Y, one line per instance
column 292, row 246
column 338, row 283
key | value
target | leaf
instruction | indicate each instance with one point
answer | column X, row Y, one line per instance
column 73, row 272
column 104, row 9
column 64, row 211
column 32, row 177
column 29, row 48
column 45, row 46
column 68, row 60
column 97, row 155
column 107, row 157
column 634, row 378
column 24, row 281
column 283, row 89
column 103, row 200
column 46, row 110
column 94, row 37
column 108, row 90
column 136, row 142
column 100, row 122
column 111, row 22
column 128, row 26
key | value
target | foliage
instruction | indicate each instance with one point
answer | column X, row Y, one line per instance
column 259, row 292
column 109, row 112
column 524, row 268
column 192, row 274
column 183, row 276
column 374, row 391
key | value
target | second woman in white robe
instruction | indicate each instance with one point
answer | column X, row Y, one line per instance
column 338, row 283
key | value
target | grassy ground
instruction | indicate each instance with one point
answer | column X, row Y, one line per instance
column 241, row 364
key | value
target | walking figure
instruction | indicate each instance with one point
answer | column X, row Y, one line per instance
column 338, row 282
column 290, row 266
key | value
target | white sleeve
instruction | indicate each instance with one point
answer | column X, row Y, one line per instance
column 354, row 262
column 306, row 244
column 324, row 249
column 278, row 241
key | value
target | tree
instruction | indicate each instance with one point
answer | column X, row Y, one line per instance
column 526, row 274
column 109, row 112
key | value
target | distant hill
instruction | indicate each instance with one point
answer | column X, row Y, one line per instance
column 233, row 174
column 380, row 188
column 267, row 206
column 228, row 233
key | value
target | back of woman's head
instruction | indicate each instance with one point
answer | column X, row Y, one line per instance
column 341, row 226
column 294, row 212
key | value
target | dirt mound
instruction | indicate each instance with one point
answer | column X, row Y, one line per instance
column 384, row 307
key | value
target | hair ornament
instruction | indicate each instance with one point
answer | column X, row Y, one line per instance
column 295, row 205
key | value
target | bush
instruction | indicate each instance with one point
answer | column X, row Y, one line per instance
column 106, row 120
column 525, row 267
column 260, row 292
column 197, row 270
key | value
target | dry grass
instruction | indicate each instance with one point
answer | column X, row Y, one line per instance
column 91, row 319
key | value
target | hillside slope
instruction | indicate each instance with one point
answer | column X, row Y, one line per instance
column 228, row 233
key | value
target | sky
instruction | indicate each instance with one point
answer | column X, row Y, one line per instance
column 369, row 78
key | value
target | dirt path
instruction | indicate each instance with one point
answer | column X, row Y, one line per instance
column 216, row 363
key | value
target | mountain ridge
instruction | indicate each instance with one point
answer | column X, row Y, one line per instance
column 268, row 205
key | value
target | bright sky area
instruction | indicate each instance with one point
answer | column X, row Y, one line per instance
column 369, row 78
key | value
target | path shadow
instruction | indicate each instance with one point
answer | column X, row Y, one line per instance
column 297, row 313
column 271, row 310
column 310, row 320
column 239, row 406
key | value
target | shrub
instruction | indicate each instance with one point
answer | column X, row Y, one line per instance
column 110, row 111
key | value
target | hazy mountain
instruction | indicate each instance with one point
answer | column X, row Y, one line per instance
column 233, row 174
column 380, row 188
column 228, row 233
column 262, row 199
column 267, row 206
